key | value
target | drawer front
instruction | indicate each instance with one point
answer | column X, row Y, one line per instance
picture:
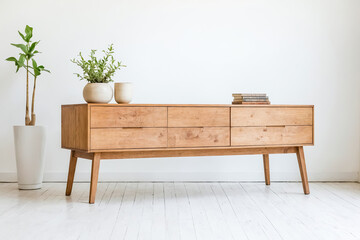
column 286, row 135
column 115, row 138
column 102, row 117
column 199, row 116
column 199, row 137
column 270, row 116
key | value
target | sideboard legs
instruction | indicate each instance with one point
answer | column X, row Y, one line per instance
column 266, row 168
column 94, row 176
column 301, row 160
column 72, row 167
column 96, row 157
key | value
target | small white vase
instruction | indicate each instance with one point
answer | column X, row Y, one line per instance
column 97, row 93
column 123, row 92
column 29, row 151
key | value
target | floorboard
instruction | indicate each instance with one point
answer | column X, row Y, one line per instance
column 177, row 210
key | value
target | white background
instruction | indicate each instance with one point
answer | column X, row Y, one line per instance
column 298, row 52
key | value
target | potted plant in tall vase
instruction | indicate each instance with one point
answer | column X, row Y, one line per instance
column 29, row 139
column 98, row 72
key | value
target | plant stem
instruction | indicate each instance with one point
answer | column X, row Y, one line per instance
column 33, row 116
column 27, row 117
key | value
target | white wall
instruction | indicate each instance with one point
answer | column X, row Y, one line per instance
column 299, row 52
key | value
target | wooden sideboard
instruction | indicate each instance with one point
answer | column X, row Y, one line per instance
column 114, row 131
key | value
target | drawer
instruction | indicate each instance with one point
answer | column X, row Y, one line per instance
column 114, row 138
column 199, row 116
column 199, row 137
column 102, row 117
column 284, row 135
column 269, row 116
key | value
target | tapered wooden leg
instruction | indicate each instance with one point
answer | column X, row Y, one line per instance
column 301, row 160
column 266, row 168
column 94, row 177
column 72, row 168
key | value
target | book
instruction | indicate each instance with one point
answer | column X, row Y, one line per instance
column 254, row 99
column 249, row 94
column 251, row 103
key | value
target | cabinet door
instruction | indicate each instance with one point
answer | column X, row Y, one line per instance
column 128, row 117
column 117, row 138
column 270, row 116
column 280, row 135
column 199, row 137
column 198, row 116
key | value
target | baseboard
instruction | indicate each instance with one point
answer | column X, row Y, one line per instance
column 189, row 176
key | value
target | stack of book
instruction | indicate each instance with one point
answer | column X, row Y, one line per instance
column 250, row 98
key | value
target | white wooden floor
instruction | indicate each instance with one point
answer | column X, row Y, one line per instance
column 182, row 211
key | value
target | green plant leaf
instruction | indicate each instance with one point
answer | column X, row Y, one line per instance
column 21, row 61
column 28, row 32
column 17, row 66
column 37, row 72
column 22, row 47
column 22, row 36
column 42, row 68
column 12, row 59
column 34, row 64
column 33, row 45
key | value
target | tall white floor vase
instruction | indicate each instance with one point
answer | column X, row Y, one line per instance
column 29, row 151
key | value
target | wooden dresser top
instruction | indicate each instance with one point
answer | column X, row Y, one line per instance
column 186, row 105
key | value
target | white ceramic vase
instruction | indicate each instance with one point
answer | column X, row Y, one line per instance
column 97, row 93
column 29, row 151
column 123, row 92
